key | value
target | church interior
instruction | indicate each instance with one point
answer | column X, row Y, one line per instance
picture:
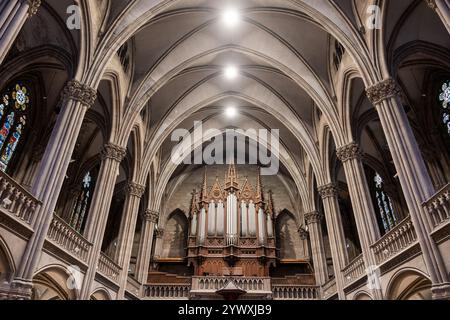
column 93, row 205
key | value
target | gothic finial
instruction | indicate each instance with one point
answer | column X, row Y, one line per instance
column 204, row 193
column 259, row 192
column 231, row 180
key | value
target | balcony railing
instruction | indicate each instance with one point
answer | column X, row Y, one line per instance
column 329, row 288
column 17, row 201
column 64, row 236
column 108, row 268
column 249, row 284
column 395, row 241
column 354, row 270
column 438, row 206
column 295, row 292
column 167, row 291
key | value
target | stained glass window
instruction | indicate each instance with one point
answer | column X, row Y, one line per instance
column 444, row 98
column 384, row 204
column 14, row 105
column 82, row 204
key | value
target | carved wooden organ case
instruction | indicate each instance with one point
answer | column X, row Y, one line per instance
column 231, row 229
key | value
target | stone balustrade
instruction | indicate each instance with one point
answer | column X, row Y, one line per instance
column 248, row 284
column 398, row 239
column 167, row 292
column 64, row 236
column 438, row 206
column 354, row 270
column 108, row 268
column 295, row 292
column 17, row 201
column 329, row 288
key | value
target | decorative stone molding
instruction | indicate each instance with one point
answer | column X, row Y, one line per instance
column 151, row 216
column 382, row 91
column 313, row 217
column 328, row 191
column 349, row 152
column 159, row 233
column 136, row 190
column 431, row 4
column 33, row 6
column 75, row 90
column 303, row 233
column 113, row 152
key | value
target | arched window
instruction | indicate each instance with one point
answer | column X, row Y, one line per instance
column 14, row 106
column 444, row 98
column 82, row 204
column 384, row 204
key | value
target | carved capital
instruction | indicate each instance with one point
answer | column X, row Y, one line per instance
column 313, row 217
column 136, row 190
column 349, row 152
column 159, row 233
column 33, row 6
column 303, row 233
column 382, row 91
column 113, row 152
column 75, row 90
column 151, row 216
column 328, row 191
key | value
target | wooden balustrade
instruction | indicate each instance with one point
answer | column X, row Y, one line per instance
column 295, row 292
column 167, row 291
column 65, row 237
column 108, row 268
column 438, row 206
column 354, row 270
column 17, row 201
column 398, row 239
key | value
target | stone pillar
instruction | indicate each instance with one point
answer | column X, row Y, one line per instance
column 329, row 194
column 159, row 243
column 126, row 233
column 368, row 232
column 413, row 175
column 442, row 9
column 112, row 156
column 145, row 246
column 13, row 14
column 76, row 99
column 318, row 251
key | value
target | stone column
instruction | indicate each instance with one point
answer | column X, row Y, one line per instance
column 13, row 14
column 413, row 175
column 159, row 243
column 442, row 9
column 145, row 246
column 318, row 251
column 368, row 232
column 329, row 194
column 126, row 233
column 112, row 156
column 76, row 99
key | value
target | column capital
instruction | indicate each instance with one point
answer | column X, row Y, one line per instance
column 159, row 233
column 113, row 152
column 303, row 233
column 33, row 6
column 328, row 191
column 75, row 90
column 313, row 217
column 349, row 152
column 382, row 91
column 151, row 216
column 135, row 189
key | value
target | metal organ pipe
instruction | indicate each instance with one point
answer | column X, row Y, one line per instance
column 212, row 219
column 244, row 220
column 261, row 226
column 269, row 226
column 220, row 219
column 202, row 225
column 251, row 219
column 194, row 225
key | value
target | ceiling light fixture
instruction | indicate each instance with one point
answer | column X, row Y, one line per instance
column 231, row 17
column 231, row 112
column 231, row 72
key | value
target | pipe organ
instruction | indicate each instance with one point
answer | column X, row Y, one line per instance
column 231, row 229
